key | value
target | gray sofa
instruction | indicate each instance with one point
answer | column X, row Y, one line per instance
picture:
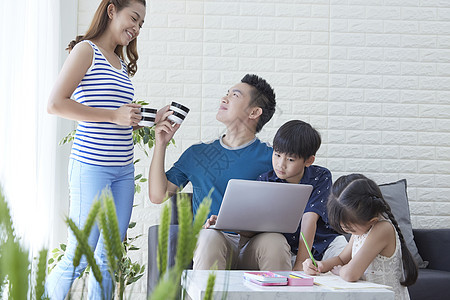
column 433, row 245
column 434, row 281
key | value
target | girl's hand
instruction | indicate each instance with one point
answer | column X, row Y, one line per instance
column 164, row 129
column 211, row 221
column 336, row 270
column 127, row 115
column 309, row 268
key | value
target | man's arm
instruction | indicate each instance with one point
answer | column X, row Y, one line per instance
column 158, row 185
column 308, row 227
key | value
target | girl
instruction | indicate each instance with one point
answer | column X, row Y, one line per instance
column 376, row 251
column 96, row 73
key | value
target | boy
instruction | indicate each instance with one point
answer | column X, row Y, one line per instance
column 246, row 107
column 294, row 148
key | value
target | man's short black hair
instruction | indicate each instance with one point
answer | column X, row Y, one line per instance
column 262, row 96
column 297, row 138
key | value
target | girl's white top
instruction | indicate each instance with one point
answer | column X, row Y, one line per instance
column 384, row 270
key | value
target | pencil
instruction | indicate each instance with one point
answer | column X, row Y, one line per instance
column 307, row 248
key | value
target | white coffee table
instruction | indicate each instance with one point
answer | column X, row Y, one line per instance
column 232, row 283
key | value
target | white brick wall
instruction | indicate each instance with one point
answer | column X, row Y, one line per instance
column 373, row 76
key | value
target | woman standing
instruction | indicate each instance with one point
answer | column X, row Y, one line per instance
column 96, row 74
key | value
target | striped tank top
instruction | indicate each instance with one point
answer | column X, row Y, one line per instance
column 103, row 86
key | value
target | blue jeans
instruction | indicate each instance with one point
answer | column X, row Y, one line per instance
column 86, row 183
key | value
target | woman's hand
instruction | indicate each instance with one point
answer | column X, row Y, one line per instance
column 127, row 115
column 211, row 221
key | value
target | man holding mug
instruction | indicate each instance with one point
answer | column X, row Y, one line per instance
column 238, row 154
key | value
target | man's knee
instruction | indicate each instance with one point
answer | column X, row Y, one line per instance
column 272, row 242
column 272, row 252
column 212, row 247
column 210, row 237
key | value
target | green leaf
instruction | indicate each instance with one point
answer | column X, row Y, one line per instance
column 132, row 225
column 134, row 279
column 68, row 138
column 146, row 139
column 137, row 176
column 63, row 247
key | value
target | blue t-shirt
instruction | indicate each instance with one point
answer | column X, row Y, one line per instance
column 211, row 165
column 320, row 179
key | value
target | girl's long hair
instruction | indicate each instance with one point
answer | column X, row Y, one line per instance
column 355, row 199
column 98, row 27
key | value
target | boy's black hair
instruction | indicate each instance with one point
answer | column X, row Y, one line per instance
column 297, row 138
column 355, row 200
column 262, row 96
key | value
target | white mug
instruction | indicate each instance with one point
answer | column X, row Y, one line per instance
column 179, row 112
column 148, row 116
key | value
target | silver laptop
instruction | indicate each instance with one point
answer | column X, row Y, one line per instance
column 262, row 206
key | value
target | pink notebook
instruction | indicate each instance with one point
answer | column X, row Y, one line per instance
column 266, row 277
column 298, row 278
column 265, row 283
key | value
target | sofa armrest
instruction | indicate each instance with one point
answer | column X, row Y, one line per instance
column 152, row 266
column 174, row 209
column 433, row 245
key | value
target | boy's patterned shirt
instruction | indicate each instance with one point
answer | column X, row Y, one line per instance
column 320, row 178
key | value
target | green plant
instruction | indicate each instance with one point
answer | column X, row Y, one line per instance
column 188, row 231
column 56, row 256
column 123, row 271
column 210, row 287
column 19, row 278
column 128, row 272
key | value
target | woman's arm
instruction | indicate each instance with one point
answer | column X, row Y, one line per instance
column 72, row 72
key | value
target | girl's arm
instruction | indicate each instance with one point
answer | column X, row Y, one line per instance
column 327, row 265
column 381, row 240
column 72, row 72
column 342, row 259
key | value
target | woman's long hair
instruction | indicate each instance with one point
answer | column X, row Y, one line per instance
column 98, row 27
column 355, row 199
